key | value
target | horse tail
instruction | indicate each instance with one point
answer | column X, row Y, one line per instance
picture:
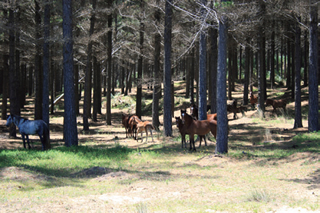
column 46, row 137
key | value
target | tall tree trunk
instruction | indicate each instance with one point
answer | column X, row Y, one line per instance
column 192, row 66
column 167, row 117
column 140, row 63
column 70, row 122
column 213, row 68
column 96, row 89
column 222, row 128
column 306, row 53
column 313, row 68
column 76, row 87
column 261, row 64
column 46, row 64
column 38, row 72
column 230, row 71
column 156, row 80
column 88, row 72
column 297, row 119
column 202, row 66
column 109, row 64
column 5, row 90
column 272, row 57
column 246, row 73
column 14, row 81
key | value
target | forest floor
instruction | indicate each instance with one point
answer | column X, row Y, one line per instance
column 186, row 181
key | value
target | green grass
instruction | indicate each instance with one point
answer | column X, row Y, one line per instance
column 245, row 179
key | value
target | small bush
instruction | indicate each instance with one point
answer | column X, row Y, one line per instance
column 259, row 195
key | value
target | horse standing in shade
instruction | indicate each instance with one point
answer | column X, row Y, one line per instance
column 125, row 123
column 194, row 113
column 197, row 127
column 182, row 130
column 27, row 127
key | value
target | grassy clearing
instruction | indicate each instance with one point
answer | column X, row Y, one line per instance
column 268, row 167
column 165, row 177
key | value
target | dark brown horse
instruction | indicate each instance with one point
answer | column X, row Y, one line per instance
column 194, row 113
column 253, row 99
column 281, row 103
column 133, row 126
column 197, row 127
column 125, row 123
column 182, row 131
column 194, row 110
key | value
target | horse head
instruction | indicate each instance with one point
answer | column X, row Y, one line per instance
column 193, row 109
column 178, row 121
column 9, row 120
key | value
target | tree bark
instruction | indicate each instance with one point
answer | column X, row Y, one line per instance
column 313, row 68
column 109, row 64
column 88, row 72
column 202, row 66
column 38, row 72
column 297, row 119
column 156, row 80
column 140, row 63
column 222, row 128
column 167, row 117
column 70, row 122
column 46, row 63
column 14, row 81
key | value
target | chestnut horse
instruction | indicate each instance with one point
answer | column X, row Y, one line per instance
column 142, row 126
column 182, row 131
column 253, row 99
column 197, row 127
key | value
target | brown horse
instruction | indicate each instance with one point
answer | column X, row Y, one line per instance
column 197, row 127
column 194, row 110
column 281, row 103
column 182, row 131
column 125, row 123
column 143, row 126
column 253, row 99
column 194, row 113
column 133, row 126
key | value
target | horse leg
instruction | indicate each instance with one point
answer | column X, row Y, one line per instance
column 24, row 141
column 183, row 139
column 146, row 134
column 42, row 142
column 192, row 143
column 27, row 136
column 151, row 134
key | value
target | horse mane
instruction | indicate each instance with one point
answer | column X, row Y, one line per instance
column 19, row 117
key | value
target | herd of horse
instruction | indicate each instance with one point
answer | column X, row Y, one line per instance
column 188, row 124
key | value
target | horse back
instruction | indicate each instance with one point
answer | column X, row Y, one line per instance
column 29, row 127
